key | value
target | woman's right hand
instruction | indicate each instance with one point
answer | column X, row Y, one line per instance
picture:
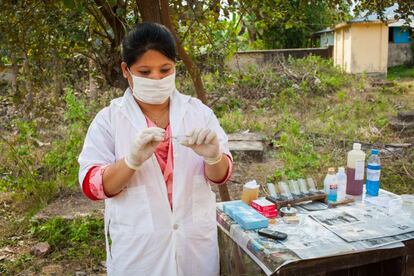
column 144, row 146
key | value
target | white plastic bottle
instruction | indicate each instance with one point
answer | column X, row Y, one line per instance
column 329, row 178
column 341, row 178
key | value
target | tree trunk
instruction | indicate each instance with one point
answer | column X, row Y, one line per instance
column 149, row 10
column 158, row 11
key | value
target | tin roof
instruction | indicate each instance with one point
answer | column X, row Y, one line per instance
column 327, row 30
column 389, row 16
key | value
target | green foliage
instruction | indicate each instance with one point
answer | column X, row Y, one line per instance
column 42, row 39
column 288, row 24
column 65, row 165
column 236, row 121
column 7, row 267
column 341, row 96
column 80, row 237
column 20, row 160
column 400, row 72
column 297, row 152
column 326, row 77
column 27, row 167
column 59, row 232
column 232, row 121
column 209, row 39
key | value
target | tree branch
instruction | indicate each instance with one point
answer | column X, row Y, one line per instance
column 113, row 21
column 100, row 22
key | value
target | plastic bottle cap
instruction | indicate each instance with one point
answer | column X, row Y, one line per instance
column 331, row 170
column 341, row 169
column 251, row 185
column 356, row 146
column 374, row 151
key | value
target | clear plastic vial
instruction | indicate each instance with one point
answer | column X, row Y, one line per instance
column 341, row 177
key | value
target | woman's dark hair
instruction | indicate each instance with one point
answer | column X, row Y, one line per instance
column 147, row 36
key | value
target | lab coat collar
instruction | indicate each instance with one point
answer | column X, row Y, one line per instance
column 178, row 107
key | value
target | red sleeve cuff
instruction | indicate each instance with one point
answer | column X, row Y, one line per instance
column 86, row 186
column 92, row 185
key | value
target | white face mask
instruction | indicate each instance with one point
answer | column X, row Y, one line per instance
column 153, row 91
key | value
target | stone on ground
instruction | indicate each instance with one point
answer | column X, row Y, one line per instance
column 40, row 249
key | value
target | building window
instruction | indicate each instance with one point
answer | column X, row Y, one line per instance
column 390, row 34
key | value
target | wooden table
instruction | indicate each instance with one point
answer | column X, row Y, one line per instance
column 386, row 262
column 378, row 262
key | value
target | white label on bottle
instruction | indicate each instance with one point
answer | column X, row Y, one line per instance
column 359, row 169
column 373, row 175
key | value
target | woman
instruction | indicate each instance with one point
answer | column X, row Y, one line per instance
column 151, row 155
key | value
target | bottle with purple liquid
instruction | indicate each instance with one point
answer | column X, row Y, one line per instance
column 355, row 170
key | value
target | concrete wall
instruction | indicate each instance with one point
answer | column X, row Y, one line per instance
column 369, row 51
column 338, row 48
column 244, row 59
column 347, row 50
column 399, row 54
column 342, row 49
column 362, row 47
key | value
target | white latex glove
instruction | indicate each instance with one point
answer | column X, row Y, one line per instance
column 205, row 143
column 144, row 146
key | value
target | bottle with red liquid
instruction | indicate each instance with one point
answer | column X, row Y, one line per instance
column 355, row 170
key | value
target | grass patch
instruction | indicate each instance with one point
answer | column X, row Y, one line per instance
column 12, row 268
column 400, row 72
column 79, row 238
column 296, row 151
column 237, row 120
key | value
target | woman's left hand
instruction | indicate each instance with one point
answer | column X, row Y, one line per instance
column 205, row 143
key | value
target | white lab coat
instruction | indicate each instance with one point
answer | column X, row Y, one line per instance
column 143, row 235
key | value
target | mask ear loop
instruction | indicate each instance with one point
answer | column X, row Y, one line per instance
column 132, row 76
column 129, row 71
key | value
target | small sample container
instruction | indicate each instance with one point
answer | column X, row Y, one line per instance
column 302, row 186
column 311, row 185
column 272, row 189
column 294, row 187
column 284, row 190
column 250, row 192
column 288, row 211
